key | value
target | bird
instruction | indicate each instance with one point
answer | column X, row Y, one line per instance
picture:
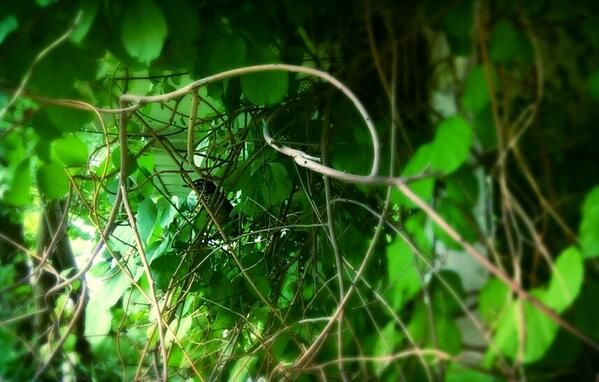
column 215, row 199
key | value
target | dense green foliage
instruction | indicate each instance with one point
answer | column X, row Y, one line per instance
column 113, row 266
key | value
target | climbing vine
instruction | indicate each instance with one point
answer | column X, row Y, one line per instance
column 288, row 191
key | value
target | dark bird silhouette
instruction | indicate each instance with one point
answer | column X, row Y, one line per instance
column 215, row 199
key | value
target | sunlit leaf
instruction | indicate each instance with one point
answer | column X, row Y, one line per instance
column 71, row 151
column 451, row 145
column 89, row 9
column 146, row 218
column 98, row 319
column 589, row 226
column 493, row 299
column 241, row 370
column 566, row 280
column 52, row 180
column 18, row 194
column 418, row 164
column 8, row 24
column 403, row 273
column 144, row 30
column 540, row 331
column 460, row 373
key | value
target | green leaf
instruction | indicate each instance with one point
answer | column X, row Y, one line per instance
column 593, row 85
column 418, row 164
column 242, row 369
column 7, row 25
column 107, row 289
column 459, row 218
column 402, row 271
column 589, row 226
column 457, row 23
column 484, row 128
column 493, row 299
column 566, row 280
column 115, row 158
column 71, row 151
column 476, row 92
column 449, row 338
column 68, row 120
column 451, row 145
column 224, row 53
column 540, row 331
column 98, row 319
column 89, row 9
column 146, row 218
column 265, row 88
column 508, row 44
column 586, row 309
column 45, row 3
column 18, row 194
column 164, row 268
column 144, row 30
column 179, row 327
column 459, row 373
column 385, row 344
column 277, row 183
column 52, row 180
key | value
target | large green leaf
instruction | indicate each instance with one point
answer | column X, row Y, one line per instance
column 146, row 219
column 418, row 164
column 8, row 24
column 68, row 120
column 448, row 336
column 540, row 330
column 593, row 85
column 267, row 185
column 265, row 88
column 144, row 30
column 457, row 217
column 224, row 53
column 451, row 145
column 71, row 151
column 403, row 273
column 385, row 344
column 457, row 22
column 476, row 92
column 18, row 194
column 508, row 44
column 89, row 10
column 459, row 373
column 566, row 280
column 589, row 226
column 493, row 299
column 277, row 183
column 105, row 294
column 52, row 180
column 242, row 369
